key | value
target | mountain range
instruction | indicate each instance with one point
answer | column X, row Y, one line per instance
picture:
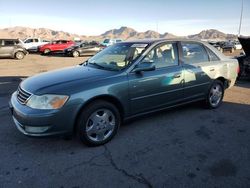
column 124, row 33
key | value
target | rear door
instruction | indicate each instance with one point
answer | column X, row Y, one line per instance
column 196, row 65
column 156, row 89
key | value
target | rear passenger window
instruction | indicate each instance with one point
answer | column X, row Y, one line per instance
column 212, row 55
column 194, row 53
column 9, row 43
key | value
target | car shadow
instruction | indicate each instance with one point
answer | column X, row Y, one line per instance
column 158, row 122
column 61, row 54
column 54, row 54
column 243, row 83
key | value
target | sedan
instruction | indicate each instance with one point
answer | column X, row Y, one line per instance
column 125, row 80
column 84, row 48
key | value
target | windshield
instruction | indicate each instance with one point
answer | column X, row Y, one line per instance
column 118, row 56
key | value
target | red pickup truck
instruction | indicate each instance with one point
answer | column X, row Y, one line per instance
column 58, row 45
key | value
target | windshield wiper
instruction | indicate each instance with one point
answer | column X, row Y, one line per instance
column 103, row 67
column 97, row 65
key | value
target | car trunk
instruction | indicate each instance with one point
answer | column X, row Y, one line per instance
column 245, row 42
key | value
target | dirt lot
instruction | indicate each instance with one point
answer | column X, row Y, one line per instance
column 182, row 147
column 34, row 64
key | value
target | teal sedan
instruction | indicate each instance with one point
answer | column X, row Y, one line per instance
column 125, row 80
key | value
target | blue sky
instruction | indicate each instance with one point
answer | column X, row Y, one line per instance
column 93, row 17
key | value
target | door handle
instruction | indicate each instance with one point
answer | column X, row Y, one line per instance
column 212, row 69
column 177, row 75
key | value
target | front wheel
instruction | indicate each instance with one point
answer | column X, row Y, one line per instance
column 46, row 51
column 215, row 95
column 98, row 123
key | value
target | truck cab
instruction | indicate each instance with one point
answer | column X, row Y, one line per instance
column 31, row 44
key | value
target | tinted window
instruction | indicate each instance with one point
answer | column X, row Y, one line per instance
column 29, row 41
column 9, row 43
column 35, row 40
column 194, row 53
column 163, row 55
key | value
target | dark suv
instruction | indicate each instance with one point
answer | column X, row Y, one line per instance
column 12, row 48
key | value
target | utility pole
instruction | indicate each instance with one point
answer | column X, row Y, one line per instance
column 240, row 17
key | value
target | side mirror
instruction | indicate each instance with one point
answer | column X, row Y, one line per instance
column 144, row 66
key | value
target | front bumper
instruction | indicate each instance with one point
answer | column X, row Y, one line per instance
column 68, row 52
column 33, row 122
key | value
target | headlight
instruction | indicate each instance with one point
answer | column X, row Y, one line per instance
column 47, row 101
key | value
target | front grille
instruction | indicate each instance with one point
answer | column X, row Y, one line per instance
column 22, row 96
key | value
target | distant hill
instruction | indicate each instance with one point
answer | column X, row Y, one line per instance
column 212, row 34
column 129, row 33
column 24, row 32
column 124, row 33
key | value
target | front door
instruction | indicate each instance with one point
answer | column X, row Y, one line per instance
column 158, row 88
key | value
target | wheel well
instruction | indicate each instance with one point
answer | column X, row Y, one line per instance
column 18, row 51
column 224, row 81
column 46, row 49
column 107, row 98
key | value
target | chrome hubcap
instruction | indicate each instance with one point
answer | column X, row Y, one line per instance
column 215, row 95
column 100, row 125
column 75, row 54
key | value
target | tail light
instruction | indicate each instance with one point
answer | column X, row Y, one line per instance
column 238, row 69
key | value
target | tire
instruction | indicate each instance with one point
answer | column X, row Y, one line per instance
column 215, row 95
column 98, row 123
column 75, row 54
column 19, row 55
column 46, row 51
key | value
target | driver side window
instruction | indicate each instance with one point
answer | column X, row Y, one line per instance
column 163, row 55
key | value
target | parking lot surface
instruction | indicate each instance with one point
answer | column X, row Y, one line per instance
column 187, row 146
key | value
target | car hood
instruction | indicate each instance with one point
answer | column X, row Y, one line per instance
column 245, row 42
column 64, row 79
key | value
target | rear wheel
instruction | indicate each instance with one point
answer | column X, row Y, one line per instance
column 19, row 55
column 98, row 123
column 215, row 95
column 76, row 54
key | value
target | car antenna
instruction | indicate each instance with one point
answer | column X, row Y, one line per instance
column 240, row 17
